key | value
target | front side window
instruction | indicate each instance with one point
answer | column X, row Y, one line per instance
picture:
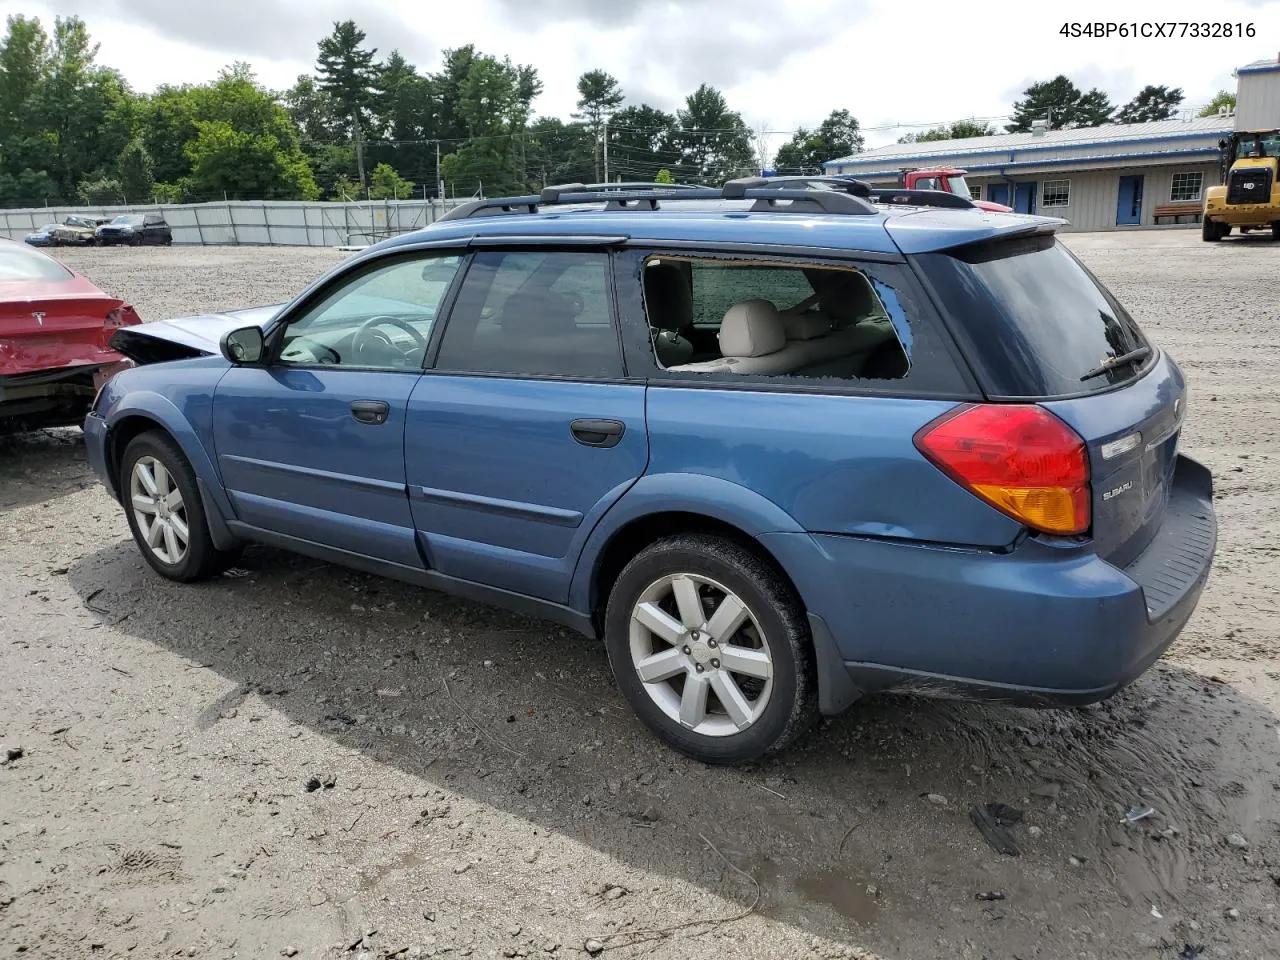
column 535, row 313
column 1055, row 193
column 742, row 318
column 1186, row 186
column 381, row 319
column 928, row 183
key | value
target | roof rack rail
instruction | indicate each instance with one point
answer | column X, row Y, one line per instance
column 859, row 188
column 492, row 207
column 552, row 194
column 921, row 198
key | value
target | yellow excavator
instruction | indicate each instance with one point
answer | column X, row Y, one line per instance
column 1250, row 195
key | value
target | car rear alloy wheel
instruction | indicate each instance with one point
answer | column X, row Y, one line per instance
column 160, row 511
column 166, row 515
column 710, row 645
column 701, row 654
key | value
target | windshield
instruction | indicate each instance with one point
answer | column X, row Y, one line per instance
column 22, row 263
column 1034, row 321
column 47, row 228
column 127, row 220
column 959, row 187
column 1254, row 145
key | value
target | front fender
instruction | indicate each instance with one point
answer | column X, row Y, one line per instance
column 167, row 415
column 653, row 494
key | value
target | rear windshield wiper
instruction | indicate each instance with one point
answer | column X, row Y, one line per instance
column 1133, row 356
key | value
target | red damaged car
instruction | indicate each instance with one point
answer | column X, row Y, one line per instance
column 54, row 328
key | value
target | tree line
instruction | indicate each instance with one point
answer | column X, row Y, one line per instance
column 362, row 126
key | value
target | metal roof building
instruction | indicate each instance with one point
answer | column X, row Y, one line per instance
column 1099, row 178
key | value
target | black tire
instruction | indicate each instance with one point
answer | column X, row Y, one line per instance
column 201, row 559
column 1209, row 231
column 792, row 704
column 1275, row 229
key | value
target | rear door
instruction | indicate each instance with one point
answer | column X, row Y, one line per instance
column 1037, row 326
column 311, row 445
column 527, row 428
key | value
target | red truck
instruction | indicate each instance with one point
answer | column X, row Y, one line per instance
column 948, row 180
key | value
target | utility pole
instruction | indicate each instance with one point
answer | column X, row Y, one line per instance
column 605, row 131
column 359, row 136
column 439, row 182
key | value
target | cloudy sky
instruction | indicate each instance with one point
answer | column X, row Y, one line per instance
column 781, row 65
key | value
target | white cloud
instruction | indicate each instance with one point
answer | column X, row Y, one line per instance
column 780, row 65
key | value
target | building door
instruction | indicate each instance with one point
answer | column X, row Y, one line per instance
column 998, row 193
column 1129, row 204
column 1024, row 197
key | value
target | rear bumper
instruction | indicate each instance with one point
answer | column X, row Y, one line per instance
column 1041, row 625
column 57, row 397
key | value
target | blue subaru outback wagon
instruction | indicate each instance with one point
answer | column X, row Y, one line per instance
column 778, row 448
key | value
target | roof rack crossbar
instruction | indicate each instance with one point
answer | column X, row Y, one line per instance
column 827, row 201
column 921, row 198
column 859, row 188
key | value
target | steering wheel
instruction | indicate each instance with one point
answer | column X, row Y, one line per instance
column 367, row 335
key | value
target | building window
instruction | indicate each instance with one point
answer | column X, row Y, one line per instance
column 1186, row 186
column 1055, row 193
column 975, row 191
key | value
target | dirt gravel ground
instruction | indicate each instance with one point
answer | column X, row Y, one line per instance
column 295, row 759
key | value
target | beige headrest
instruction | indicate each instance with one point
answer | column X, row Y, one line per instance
column 806, row 326
column 752, row 328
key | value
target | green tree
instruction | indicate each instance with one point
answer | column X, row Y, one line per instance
column 24, row 71
column 559, row 152
column 246, row 165
column 27, row 188
column 386, row 184
column 1223, row 98
column 715, row 143
column 345, row 189
column 599, row 97
column 137, row 173
column 959, row 130
column 406, row 115
column 85, row 110
column 493, row 103
column 347, row 74
column 643, row 140
column 837, row 136
column 1060, row 102
column 664, row 176
column 1151, row 103
column 100, row 192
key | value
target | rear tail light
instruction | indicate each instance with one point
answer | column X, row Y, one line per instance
column 1019, row 458
column 121, row 316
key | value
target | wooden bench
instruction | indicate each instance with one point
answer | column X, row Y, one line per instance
column 1177, row 210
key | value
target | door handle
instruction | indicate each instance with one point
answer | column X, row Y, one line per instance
column 370, row 411
column 597, row 433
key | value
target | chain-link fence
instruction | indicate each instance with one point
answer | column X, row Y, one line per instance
column 282, row 222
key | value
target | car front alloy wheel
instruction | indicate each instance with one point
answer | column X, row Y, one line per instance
column 159, row 509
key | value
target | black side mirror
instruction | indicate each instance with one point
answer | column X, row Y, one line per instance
column 244, row 347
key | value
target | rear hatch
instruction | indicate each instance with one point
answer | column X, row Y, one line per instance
column 1037, row 326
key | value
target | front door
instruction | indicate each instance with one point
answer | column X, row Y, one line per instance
column 1024, row 197
column 526, row 430
column 1129, row 204
column 311, row 445
column 998, row 193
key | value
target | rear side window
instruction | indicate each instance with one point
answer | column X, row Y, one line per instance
column 19, row 263
column 533, row 313
column 735, row 318
column 1032, row 321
